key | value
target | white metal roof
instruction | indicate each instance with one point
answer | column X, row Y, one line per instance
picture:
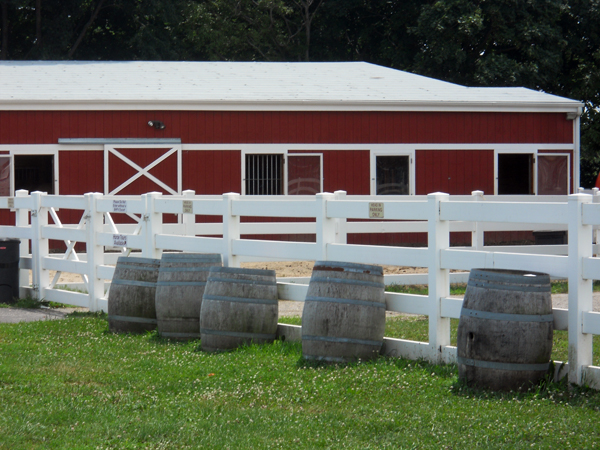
column 358, row 86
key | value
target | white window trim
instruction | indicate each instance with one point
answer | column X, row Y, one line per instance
column 393, row 152
column 266, row 150
column 32, row 150
column 568, row 155
column 535, row 153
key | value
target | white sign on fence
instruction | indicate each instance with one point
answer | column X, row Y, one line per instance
column 375, row 210
column 188, row 207
column 120, row 206
column 120, row 240
column 11, row 203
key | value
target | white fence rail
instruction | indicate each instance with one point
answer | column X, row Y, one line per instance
column 331, row 215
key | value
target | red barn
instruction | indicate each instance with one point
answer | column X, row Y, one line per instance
column 276, row 128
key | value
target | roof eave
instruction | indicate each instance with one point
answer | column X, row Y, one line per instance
column 275, row 105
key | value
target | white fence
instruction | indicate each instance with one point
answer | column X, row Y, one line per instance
column 436, row 214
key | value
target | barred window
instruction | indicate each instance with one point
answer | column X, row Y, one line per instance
column 264, row 174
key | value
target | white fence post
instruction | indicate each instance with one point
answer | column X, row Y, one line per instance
column 22, row 220
column 438, row 238
column 341, row 227
column 152, row 225
column 95, row 251
column 477, row 241
column 580, row 289
column 189, row 220
column 39, row 246
column 595, row 199
column 325, row 225
column 231, row 230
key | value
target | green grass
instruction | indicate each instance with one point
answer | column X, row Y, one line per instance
column 71, row 384
column 558, row 287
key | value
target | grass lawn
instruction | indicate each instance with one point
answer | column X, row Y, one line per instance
column 72, row 384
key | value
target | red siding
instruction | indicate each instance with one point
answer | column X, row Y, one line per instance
column 456, row 172
column 212, row 172
column 80, row 172
column 45, row 127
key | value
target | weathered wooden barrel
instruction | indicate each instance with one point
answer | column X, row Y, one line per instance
column 239, row 306
column 344, row 312
column 131, row 306
column 179, row 290
column 505, row 329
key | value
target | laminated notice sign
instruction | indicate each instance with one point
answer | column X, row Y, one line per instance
column 188, row 207
column 120, row 240
column 120, row 206
column 11, row 202
column 375, row 210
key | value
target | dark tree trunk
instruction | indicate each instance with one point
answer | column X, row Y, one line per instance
column 4, row 48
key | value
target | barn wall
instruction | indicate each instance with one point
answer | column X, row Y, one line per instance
column 456, row 172
column 44, row 127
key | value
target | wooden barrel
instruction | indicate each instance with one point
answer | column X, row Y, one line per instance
column 131, row 297
column 239, row 306
column 179, row 290
column 344, row 312
column 505, row 329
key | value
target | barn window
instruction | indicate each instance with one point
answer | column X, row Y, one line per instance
column 392, row 175
column 304, row 174
column 515, row 174
column 553, row 174
column 264, row 174
column 34, row 173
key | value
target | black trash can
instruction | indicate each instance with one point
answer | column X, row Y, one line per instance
column 9, row 270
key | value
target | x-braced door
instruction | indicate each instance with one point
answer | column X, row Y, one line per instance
column 134, row 169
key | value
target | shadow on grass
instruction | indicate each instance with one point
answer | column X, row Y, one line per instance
column 556, row 392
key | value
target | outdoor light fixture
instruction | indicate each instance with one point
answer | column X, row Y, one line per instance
column 156, row 124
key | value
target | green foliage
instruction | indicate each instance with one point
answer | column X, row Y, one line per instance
column 71, row 384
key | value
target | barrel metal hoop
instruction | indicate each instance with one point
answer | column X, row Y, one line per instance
column 185, row 269
column 240, row 271
column 342, row 340
column 176, row 258
column 502, row 366
column 335, row 280
column 504, row 316
column 230, row 280
column 509, row 287
column 367, row 269
column 179, row 319
column 237, row 334
column 131, row 259
column 179, row 335
column 132, row 319
column 134, row 283
column 221, row 298
column 346, row 301
column 180, row 283
column 129, row 266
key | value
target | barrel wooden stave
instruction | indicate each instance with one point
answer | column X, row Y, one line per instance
column 131, row 307
column 344, row 313
column 509, row 354
column 239, row 307
column 179, row 290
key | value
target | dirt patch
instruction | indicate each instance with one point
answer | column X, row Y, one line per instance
column 285, row 269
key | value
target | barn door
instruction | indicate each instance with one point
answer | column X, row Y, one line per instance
column 136, row 169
